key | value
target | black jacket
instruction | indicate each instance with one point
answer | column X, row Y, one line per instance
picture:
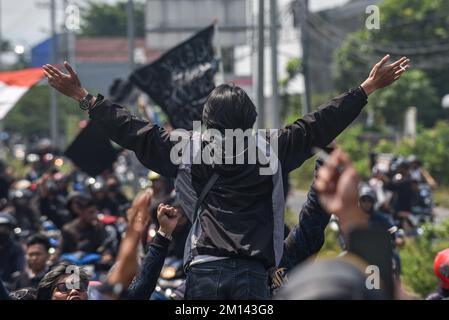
column 146, row 278
column 243, row 214
column 304, row 240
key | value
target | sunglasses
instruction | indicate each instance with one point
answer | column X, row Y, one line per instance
column 62, row 287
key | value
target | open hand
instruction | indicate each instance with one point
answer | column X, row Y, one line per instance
column 68, row 84
column 384, row 74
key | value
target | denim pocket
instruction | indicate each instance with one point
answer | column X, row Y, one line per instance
column 258, row 286
column 202, row 283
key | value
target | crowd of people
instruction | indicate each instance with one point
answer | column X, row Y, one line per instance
column 203, row 231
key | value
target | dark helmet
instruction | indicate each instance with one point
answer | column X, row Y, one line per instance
column 366, row 190
column 7, row 220
column 20, row 194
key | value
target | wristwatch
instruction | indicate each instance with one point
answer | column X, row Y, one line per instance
column 86, row 101
column 165, row 235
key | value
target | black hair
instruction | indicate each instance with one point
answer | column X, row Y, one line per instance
column 39, row 238
column 229, row 107
column 50, row 280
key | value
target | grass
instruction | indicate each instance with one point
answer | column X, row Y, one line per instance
column 442, row 197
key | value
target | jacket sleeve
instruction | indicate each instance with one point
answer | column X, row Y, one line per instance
column 318, row 128
column 150, row 143
column 307, row 237
column 145, row 281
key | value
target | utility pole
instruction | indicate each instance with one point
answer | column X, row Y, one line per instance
column 130, row 32
column 303, row 12
column 70, row 37
column 261, row 66
column 54, row 60
column 275, row 105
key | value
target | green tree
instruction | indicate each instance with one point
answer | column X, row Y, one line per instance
column 418, row 255
column 416, row 28
column 414, row 89
column 110, row 20
column 31, row 116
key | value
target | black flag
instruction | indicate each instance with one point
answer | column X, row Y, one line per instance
column 91, row 151
column 180, row 81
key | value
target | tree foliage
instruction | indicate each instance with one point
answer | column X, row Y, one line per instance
column 31, row 116
column 110, row 20
column 416, row 28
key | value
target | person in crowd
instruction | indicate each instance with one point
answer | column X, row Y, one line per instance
column 5, row 180
column 146, row 278
column 63, row 282
column 127, row 280
column 103, row 202
column 241, row 206
column 343, row 278
column 419, row 173
column 12, row 258
column 51, row 203
column 377, row 219
column 22, row 206
column 367, row 202
column 304, row 240
column 116, row 195
column 401, row 185
column 37, row 258
column 86, row 233
column 62, row 183
column 441, row 269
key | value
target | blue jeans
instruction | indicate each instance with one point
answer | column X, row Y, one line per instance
column 229, row 279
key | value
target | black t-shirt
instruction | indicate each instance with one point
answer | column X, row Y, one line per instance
column 77, row 237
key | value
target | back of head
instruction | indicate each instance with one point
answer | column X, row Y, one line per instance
column 329, row 279
column 229, row 107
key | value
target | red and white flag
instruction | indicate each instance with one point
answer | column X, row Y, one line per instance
column 14, row 84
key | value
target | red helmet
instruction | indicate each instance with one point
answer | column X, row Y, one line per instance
column 441, row 267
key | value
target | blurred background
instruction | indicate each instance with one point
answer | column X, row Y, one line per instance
column 289, row 55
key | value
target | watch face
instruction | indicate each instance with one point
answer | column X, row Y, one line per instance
column 85, row 103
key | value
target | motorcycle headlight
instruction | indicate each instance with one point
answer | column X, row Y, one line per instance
column 168, row 273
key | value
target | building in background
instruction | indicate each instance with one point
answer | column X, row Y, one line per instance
column 99, row 61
